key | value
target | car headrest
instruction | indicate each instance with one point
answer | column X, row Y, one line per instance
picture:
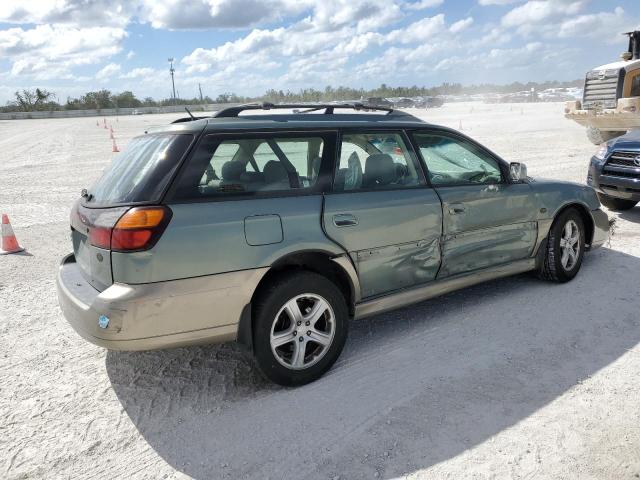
column 232, row 170
column 353, row 176
column 274, row 172
column 379, row 169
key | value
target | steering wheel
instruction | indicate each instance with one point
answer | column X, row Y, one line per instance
column 439, row 177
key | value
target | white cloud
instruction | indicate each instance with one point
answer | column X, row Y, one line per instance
column 201, row 14
column 139, row 73
column 71, row 12
column 461, row 25
column 294, row 44
column 497, row 2
column 108, row 71
column 420, row 31
column 527, row 57
column 538, row 11
column 495, row 36
column 603, row 25
column 50, row 51
column 422, row 4
column 560, row 19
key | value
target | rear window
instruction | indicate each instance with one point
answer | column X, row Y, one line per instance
column 141, row 172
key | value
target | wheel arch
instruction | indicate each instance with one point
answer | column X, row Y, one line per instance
column 338, row 269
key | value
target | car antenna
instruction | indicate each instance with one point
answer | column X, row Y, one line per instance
column 190, row 114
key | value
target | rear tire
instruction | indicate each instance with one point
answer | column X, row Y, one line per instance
column 300, row 328
column 565, row 248
column 613, row 203
column 597, row 136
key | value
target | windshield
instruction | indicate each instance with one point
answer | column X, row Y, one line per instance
column 141, row 172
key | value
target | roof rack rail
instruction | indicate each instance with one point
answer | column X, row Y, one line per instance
column 309, row 107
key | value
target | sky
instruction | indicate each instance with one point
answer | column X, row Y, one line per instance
column 248, row 46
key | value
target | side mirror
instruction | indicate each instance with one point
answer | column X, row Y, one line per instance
column 517, row 172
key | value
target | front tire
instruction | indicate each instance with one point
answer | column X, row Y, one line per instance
column 565, row 248
column 598, row 137
column 300, row 328
column 613, row 203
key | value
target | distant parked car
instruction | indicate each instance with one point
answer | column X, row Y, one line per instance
column 137, row 112
column 404, row 103
column 429, row 102
column 275, row 230
column 615, row 172
column 378, row 102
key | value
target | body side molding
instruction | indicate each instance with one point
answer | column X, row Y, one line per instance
column 440, row 287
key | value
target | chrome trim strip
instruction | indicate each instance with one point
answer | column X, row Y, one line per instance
column 440, row 287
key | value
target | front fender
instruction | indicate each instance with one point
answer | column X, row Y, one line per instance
column 554, row 195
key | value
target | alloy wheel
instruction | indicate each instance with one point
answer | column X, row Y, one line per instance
column 570, row 245
column 302, row 331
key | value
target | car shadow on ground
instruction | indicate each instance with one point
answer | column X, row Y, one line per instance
column 413, row 387
column 632, row 215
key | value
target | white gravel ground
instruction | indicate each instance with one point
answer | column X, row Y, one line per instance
column 516, row 378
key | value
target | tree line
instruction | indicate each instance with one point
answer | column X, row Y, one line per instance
column 28, row 100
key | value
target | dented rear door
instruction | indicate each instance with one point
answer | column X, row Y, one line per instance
column 382, row 212
column 393, row 237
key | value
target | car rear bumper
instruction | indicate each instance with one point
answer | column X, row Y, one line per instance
column 156, row 315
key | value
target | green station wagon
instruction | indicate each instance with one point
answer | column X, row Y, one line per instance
column 274, row 229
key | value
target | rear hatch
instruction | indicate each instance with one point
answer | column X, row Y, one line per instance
column 138, row 177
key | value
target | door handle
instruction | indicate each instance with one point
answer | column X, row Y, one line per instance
column 457, row 209
column 345, row 220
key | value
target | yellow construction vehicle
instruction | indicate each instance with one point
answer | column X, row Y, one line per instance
column 610, row 103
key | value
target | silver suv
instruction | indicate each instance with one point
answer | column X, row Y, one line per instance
column 276, row 229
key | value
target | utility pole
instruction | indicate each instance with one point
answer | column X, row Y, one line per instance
column 173, row 85
column 200, row 88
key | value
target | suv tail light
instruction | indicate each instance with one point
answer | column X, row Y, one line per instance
column 137, row 229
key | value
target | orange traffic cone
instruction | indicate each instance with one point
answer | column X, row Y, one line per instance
column 105, row 123
column 9, row 240
column 111, row 133
column 115, row 147
column 97, row 123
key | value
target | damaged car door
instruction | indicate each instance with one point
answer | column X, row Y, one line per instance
column 382, row 212
column 488, row 220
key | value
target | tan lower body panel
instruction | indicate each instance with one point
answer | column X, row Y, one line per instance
column 156, row 315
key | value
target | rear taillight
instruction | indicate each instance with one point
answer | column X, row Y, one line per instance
column 137, row 229
column 100, row 237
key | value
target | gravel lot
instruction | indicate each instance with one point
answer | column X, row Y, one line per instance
column 516, row 378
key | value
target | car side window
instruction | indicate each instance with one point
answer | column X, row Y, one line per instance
column 370, row 161
column 222, row 155
column 250, row 165
column 453, row 161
